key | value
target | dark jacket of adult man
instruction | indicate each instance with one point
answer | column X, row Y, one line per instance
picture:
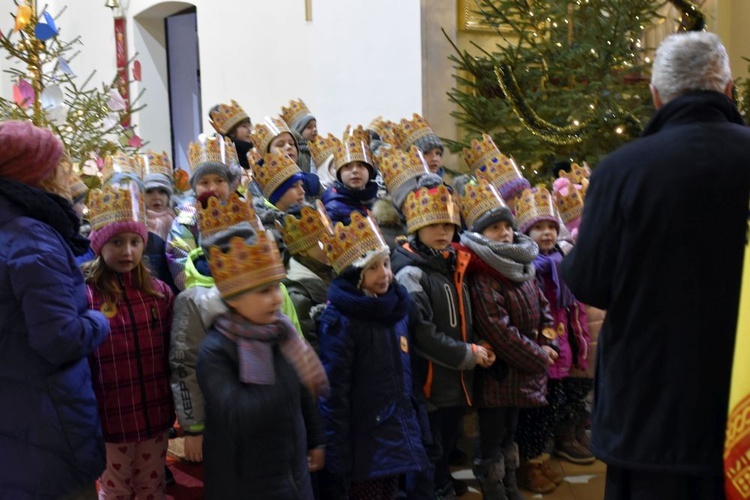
column 661, row 247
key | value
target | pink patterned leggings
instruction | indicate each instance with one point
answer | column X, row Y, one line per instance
column 135, row 470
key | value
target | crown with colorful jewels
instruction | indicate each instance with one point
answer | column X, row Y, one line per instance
column 491, row 166
column 426, row 206
column 570, row 204
column 534, row 205
column 354, row 244
column 295, row 112
column 120, row 164
column 381, row 126
column 116, row 203
column 399, row 167
column 578, row 175
column 409, row 132
column 155, row 163
column 321, row 148
column 477, row 200
column 275, row 170
column 224, row 117
column 244, row 267
column 355, row 146
column 218, row 217
column 215, row 149
column 306, row 231
column 267, row 130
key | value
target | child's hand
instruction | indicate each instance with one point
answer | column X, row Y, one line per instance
column 551, row 353
column 485, row 357
column 194, row 448
column 316, row 459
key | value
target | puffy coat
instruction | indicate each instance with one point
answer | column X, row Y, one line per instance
column 340, row 201
column 307, row 288
column 51, row 442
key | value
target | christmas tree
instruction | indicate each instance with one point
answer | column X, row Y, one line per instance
column 89, row 120
column 568, row 82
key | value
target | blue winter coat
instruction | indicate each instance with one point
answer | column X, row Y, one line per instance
column 51, row 441
column 371, row 416
column 340, row 201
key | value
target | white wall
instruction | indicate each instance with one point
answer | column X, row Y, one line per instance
column 355, row 60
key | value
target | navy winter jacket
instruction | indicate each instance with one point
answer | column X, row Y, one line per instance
column 340, row 201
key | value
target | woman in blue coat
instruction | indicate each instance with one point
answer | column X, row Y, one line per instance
column 51, row 443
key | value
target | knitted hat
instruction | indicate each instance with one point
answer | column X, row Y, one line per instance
column 157, row 171
column 285, row 186
column 274, row 173
column 211, row 155
column 535, row 205
column 114, row 210
column 28, row 154
column 482, row 206
column 296, row 115
column 417, row 132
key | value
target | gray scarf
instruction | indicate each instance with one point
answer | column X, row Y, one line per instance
column 512, row 260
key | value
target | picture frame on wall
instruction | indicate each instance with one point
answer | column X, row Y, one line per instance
column 470, row 18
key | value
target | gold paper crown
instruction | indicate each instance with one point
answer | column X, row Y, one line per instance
column 217, row 217
column 410, row 131
column 155, row 163
column 120, row 163
column 355, row 146
column 275, row 170
column 571, row 205
column 244, row 267
column 267, row 130
column 355, row 243
column 398, row 167
column 321, row 148
column 426, row 206
column 296, row 111
column 215, row 149
column 381, row 126
column 478, row 199
column 116, row 203
column 224, row 117
column 305, row 232
column 577, row 175
column 534, row 205
column 491, row 166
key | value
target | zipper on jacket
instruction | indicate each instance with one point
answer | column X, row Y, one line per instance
column 462, row 263
column 137, row 356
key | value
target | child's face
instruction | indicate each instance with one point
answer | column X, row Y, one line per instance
column 213, row 183
column 123, row 252
column 433, row 158
column 261, row 306
column 283, row 144
column 437, row 236
column 157, row 199
column 377, row 276
column 501, row 232
column 355, row 175
column 293, row 196
column 545, row 234
column 242, row 131
column 311, row 130
column 316, row 252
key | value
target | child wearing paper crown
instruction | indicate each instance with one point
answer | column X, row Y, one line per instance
column 373, row 433
column 417, row 132
column 259, row 379
column 355, row 188
column 304, row 127
column 511, row 317
column 129, row 369
column 432, row 271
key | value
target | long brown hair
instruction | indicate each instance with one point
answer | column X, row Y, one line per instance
column 104, row 280
column 58, row 181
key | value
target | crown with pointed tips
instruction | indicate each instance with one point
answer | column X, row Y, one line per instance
column 306, row 231
column 214, row 149
column 570, row 205
column 155, row 163
column 578, row 175
column 296, row 111
column 116, row 203
column 381, row 126
column 477, row 200
column 267, row 130
column 218, row 217
column 355, row 146
column 120, row 164
column 224, row 117
column 408, row 132
column 275, row 170
column 426, row 206
column 490, row 165
column 398, row 166
column 322, row 148
column 244, row 266
column 535, row 205
column 354, row 244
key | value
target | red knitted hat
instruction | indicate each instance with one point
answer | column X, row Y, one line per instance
column 99, row 237
column 28, row 154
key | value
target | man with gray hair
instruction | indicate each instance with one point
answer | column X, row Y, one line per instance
column 661, row 247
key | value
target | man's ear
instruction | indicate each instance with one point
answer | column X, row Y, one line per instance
column 655, row 98
column 729, row 88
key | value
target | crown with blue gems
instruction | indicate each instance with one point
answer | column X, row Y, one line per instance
column 116, row 203
column 491, row 166
column 354, row 244
column 426, row 206
column 354, row 146
column 224, row 117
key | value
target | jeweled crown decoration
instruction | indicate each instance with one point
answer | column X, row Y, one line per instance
column 478, row 199
column 120, row 163
column 398, row 166
column 321, row 148
column 490, row 165
column 267, row 130
column 354, row 146
column 569, row 204
column 295, row 112
column 410, row 131
column 116, row 203
column 275, row 170
column 217, row 217
column 533, row 205
column 216, row 149
column 381, row 126
column 77, row 187
column 351, row 244
column 306, row 231
column 578, row 175
column 224, row 117
column 426, row 206
column 155, row 163
column 244, row 267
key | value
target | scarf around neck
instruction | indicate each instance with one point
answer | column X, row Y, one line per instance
column 514, row 260
column 388, row 308
column 547, row 266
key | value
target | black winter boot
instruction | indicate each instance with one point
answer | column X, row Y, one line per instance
column 490, row 474
column 512, row 461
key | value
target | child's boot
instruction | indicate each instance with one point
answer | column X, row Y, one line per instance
column 490, row 474
column 512, row 462
column 567, row 447
column 551, row 473
column 531, row 477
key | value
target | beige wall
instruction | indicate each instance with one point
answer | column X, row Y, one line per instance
column 732, row 18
